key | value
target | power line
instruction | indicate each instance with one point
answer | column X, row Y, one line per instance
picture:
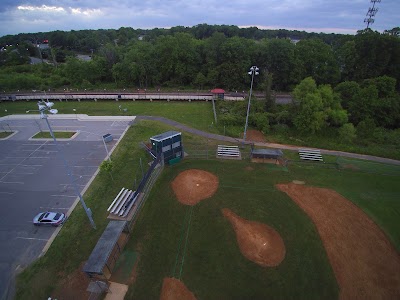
column 371, row 13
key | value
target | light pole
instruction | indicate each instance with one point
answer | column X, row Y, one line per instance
column 253, row 71
column 43, row 108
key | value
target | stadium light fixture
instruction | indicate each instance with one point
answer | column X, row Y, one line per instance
column 253, row 71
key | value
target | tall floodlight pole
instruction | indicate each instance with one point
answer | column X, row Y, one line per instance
column 371, row 13
column 43, row 108
column 253, row 71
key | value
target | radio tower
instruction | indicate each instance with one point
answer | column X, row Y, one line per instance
column 371, row 13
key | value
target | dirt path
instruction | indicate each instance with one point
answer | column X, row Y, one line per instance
column 365, row 263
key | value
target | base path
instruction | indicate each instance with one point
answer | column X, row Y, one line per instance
column 365, row 263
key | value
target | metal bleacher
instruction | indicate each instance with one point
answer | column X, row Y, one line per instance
column 228, row 152
column 310, row 154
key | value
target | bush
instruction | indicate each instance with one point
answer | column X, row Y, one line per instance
column 282, row 129
column 347, row 132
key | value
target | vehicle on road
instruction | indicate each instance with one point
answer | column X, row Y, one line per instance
column 49, row 218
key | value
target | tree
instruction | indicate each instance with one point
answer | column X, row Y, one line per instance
column 318, row 61
column 347, row 132
column 200, row 80
column 316, row 107
column 278, row 56
column 269, row 98
column 107, row 166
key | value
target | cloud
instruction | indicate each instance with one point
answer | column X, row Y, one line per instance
column 310, row 15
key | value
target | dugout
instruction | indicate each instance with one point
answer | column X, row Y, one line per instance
column 102, row 260
column 169, row 144
column 266, row 154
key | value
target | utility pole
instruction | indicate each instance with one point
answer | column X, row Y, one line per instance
column 371, row 13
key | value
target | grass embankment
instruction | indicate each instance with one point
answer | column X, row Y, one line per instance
column 57, row 134
column 213, row 266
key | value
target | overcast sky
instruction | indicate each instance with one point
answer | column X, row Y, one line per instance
column 339, row 16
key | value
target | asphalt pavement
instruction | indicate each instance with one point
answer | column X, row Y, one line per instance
column 33, row 178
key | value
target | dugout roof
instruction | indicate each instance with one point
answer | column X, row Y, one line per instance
column 267, row 152
column 102, row 251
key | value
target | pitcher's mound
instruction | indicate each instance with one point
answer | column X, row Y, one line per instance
column 192, row 186
column 173, row 289
column 257, row 241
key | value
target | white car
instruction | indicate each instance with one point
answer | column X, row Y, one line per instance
column 49, row 218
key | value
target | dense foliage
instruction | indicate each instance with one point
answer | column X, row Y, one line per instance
column 202, row 56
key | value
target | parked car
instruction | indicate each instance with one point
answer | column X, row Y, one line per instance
column 49, row 218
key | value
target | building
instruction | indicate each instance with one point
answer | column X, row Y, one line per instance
column 169, row 144
column 218, row 94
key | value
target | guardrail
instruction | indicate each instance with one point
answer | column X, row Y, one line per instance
column 115, row 97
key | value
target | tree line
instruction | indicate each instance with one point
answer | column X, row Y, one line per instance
column 206, row 56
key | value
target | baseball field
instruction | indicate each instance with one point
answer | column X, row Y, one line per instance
column 234, row 229
column 223, row 229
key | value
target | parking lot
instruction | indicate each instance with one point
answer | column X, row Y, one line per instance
column 33, row 178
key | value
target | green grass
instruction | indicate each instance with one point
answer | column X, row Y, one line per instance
column 195, row 114
column 4, row 134
column 57, row 135
column 214, row 267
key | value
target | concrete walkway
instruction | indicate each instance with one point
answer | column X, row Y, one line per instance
column 270, row 145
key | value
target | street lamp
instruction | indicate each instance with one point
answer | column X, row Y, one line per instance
column 253, row 71
column 47, row 107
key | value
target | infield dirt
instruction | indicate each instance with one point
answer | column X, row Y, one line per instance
column 258, row 242
column 365, row 263
column 174, row 289
column 192, row 186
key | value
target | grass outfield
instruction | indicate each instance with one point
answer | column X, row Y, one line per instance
column 213, row 266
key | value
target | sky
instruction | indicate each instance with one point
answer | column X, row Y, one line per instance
column 338, row 16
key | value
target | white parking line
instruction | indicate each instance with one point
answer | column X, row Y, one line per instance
column 31, row 165
column 8, row 193
column 85, row 166
column 24, row 158
column 12, row 182
column 63, row 126
column 25, row 238
column 22, row 173
column 54, row 208
column 49, row 151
